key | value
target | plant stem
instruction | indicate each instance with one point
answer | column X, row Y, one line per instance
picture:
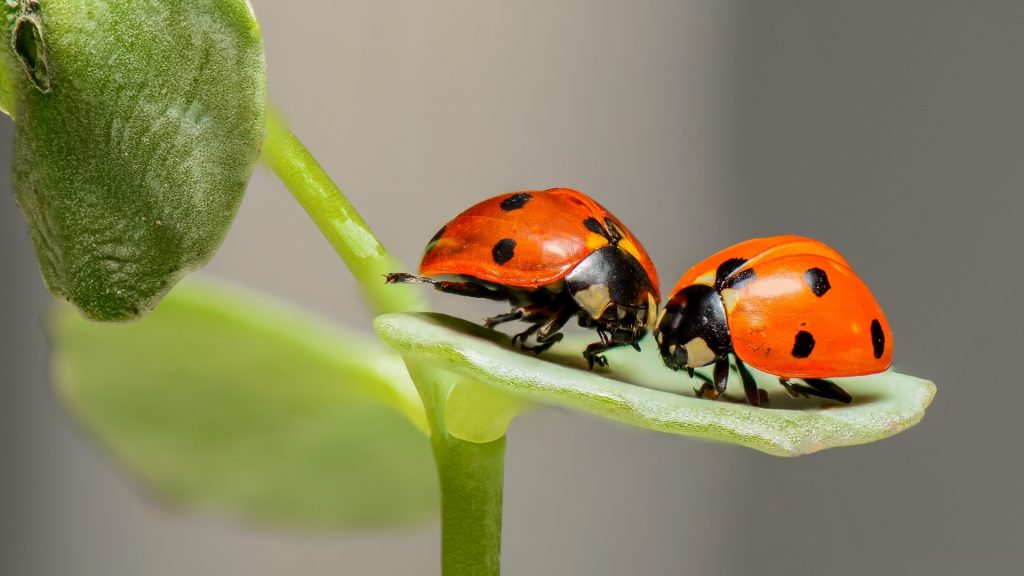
column 344, row 228
column 472, row 479
column 471, row 475
column 471, row 492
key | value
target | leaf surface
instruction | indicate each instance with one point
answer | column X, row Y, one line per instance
column 639, row 390
column 230, row 402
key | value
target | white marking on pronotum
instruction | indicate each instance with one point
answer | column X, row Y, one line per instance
column 730, row 297
column 707, row 278
column 661, row 315
column 652, row 311
column 698, row 353
column 594, row 300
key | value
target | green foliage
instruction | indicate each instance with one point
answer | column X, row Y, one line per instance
column 138, row 125
column 233, row 403
column 639, row 390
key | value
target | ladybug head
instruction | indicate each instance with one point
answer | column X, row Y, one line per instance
column 693, row 331
column 614, row 293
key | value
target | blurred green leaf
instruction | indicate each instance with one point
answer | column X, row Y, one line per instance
column 7, row 94
column 138, row 125
column 231, row 402
column 639, row 390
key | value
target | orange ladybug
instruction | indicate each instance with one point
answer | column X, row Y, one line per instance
column 554, row 255
column 787, row 305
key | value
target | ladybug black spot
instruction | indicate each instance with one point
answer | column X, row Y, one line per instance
column 818, row 281
column 515, row 201
column 726, row 268
column 504, row 250
column 594, row 226
column 877, row 338
column 737, row 280
column 803, row 344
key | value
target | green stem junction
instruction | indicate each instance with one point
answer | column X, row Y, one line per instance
column 471, row 474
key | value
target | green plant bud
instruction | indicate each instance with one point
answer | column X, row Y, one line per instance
column 138, row 125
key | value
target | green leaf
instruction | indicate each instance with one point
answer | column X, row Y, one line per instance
column 7, row 94
column 230, row 402
column 138, row 126
column 639, row 390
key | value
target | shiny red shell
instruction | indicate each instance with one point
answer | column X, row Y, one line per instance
column 796, row 309
column 526, row 239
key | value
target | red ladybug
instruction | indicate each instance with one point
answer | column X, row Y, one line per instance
column 553, row 254
column 787, row 305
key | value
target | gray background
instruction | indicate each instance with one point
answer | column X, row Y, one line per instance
column 891, row 130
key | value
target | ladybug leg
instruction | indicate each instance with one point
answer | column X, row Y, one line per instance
column 755, row 396
column 794, row 390
column 406, row 278
column 828, row 389
column 593, row 351
column 493, row 321
column 818, row 387
column 706, row 390
column 593, row 354
column 544, row 344
column 721, row 375
column 525, row 334
column 547, row 332
column 540, row 320
column 712, row 390
column 470, row 289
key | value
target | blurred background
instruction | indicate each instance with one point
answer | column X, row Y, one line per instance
column 891, row 130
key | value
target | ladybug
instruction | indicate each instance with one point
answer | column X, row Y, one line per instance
column 787, row 305
column 554, row 255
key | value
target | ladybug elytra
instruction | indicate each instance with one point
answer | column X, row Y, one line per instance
column 554, row 255
column 788, row 306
